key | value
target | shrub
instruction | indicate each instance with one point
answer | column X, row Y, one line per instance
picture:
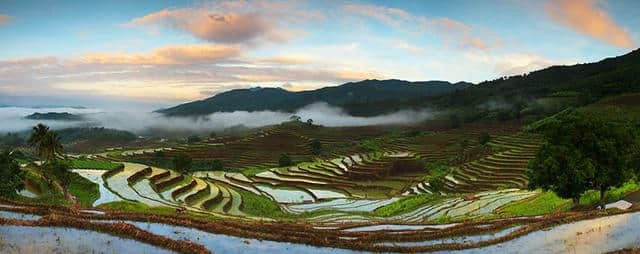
column 182, row 162
column 484, row 138
column 10, row 174
column 217, row 164
column 194, row 139
column 316, row 147
column 285, row 160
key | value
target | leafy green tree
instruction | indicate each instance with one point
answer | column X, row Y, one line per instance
column 285, row 160
column 11, row 176
column 38, row 133
column 51, row 146
column 182, row 162
column 484, row 138
column 582, row 151
column 316, row 147
column 217, row 164
column 310, row 121
column 295, row 118
column 194, row 139
column 60, row 170
column 213, row 134
column 47, row 143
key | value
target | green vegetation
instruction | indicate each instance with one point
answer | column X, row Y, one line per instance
column 60, row 171
column 217, row 165
column 137, row 207
column 47, row 143
column 10, row 174
column 59, row 116
column 484, row 138
column 194, row 139
column 592, row 197
column 547, row 202
column 95, row 133
column 85, row 191
column 407, row 204
column 93, row 164
column 257, row 205
column 316, row 147
column 254, row 170
column 436, row 177
column 182, row 162
column 11, row 140
column 285, row 160
column 582, row 151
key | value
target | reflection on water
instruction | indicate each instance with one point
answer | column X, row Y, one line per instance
column 20, row 216
column 217, row 243
column 19, row 239
column 590, row 236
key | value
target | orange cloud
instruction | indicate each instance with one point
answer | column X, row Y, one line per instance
column 191, row 54
column 285, row 60
column 4, row 19
column 450, row 30
column 230, row 27
column 586, row 17
column 233, row 21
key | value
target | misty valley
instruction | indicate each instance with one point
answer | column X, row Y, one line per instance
column 276, row 126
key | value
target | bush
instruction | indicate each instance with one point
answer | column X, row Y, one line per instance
column 484, row 138
column 285, row 160
column 60, row 170
column 316, row 147
column 217, row 165
column 182, row 162
column 194, row 139
column 11, row 177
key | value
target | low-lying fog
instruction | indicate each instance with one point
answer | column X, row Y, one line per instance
column 12, row 119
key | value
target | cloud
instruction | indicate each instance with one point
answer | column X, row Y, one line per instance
column 185, row 54
column 451, row 31
column 294, row 60
column 515, row 64
column 216, row 27
column 4, row 19
column 139, row 122
column 170, row 74
column 586, row 17
column 233, row 21
column 410, row 47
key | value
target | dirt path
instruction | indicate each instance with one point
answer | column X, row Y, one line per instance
column 68, row 196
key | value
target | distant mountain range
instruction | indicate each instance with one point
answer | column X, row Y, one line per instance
column 516, row 96
column 55, row 116
column 356, row 98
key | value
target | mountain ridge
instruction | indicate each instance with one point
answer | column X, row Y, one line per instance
column 277, row 99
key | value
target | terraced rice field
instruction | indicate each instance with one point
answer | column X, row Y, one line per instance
column 344, row 185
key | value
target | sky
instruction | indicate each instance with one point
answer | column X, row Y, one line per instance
column 148, row 54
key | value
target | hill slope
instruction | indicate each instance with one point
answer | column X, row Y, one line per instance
column 357, row 98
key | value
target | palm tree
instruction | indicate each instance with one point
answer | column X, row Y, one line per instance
column 46, row 142
column 51, row 146
column 39, row 131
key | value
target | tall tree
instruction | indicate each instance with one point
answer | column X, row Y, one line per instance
column 51, row 146
column 37, row 135
column 182, row 162
column 11, row 176
column 583, row 151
